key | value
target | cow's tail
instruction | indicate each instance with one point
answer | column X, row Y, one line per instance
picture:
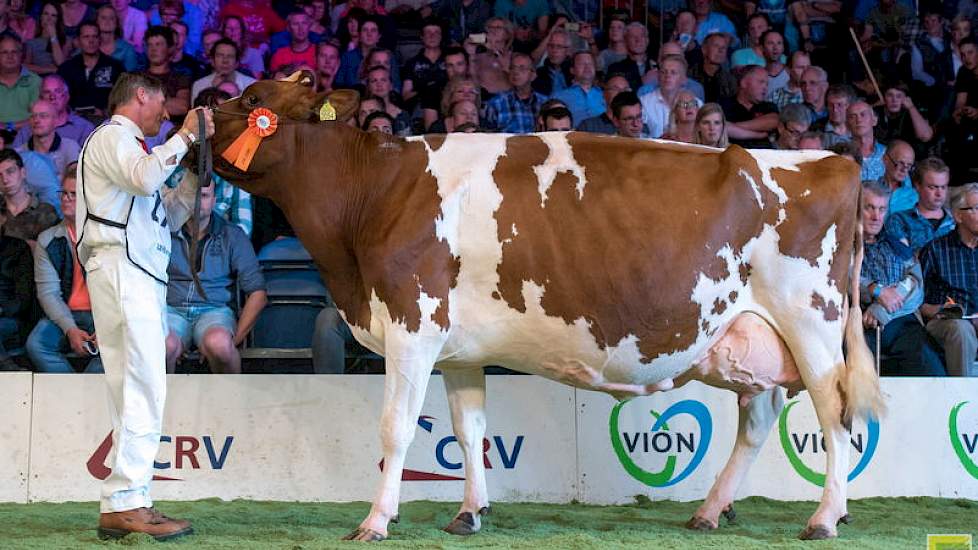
column 862, row 396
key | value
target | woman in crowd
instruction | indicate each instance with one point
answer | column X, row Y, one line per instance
column 757, row 25
column 251, row 60
column 110, row 38
column 378, row 84
column 19, row 22
column 76, row 12
column 711, row 126
column 316, row 9
column 349, row 32
column 682, row 118
column 50, row 49
column 616, row 50
column 457, row 89
column 464, row 117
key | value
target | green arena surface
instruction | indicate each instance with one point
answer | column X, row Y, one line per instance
column 885, row 523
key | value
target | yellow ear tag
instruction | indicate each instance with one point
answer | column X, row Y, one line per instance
column 327, row 111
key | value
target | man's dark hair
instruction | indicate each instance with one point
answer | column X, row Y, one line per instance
column 929, row 164
column 769, row 32
column 557, row 113
column 759, row 15
column 125, row 88
column 455, row 50
column 10, row 154
column 225, row 42
column 374, row 116
column 622, row 100
column 84, row 24
column 160, row 30
column 211, row 97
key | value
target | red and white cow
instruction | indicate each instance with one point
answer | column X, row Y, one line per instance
column 611, row 264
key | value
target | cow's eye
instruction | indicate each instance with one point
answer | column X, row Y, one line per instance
column 251, row 101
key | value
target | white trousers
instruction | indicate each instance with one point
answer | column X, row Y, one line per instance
column 129, row 310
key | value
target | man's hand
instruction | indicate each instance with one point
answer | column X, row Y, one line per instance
column 77, row 338
column 890, row 299
column 907, row 102
column 870, row 320
column 191, row 125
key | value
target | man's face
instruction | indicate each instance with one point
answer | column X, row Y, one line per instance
column 168, row 15
column 157, row 51
column 614, row 86
column 431, row 36
column 897, row 163
column 861, row 119
column 715, row 50
column 369, row 34
column 629, row 124
column 932, row 189
column 960, row 29
column 969, row 56
column 755, row 85
column 88, row 40
column 773, row 47
column 788, row 134
column 68, row 197
column 894, row 99
column 154, row 112
column 12, row 178
column 583, row 69
column 299, row 24
column 106, row 19
column 636, row 40
column 557, row 124
column 55, row 92
column 207, row 201
column 701, row 7
column 838, row 105
column 685, row 23
column 812, row 87
column 671, row 75
column 521, row 71
column 327, row 60
column 810, row 143
column 965, row 217
column 382, row 125
column 179, row 37
column 225, row 60
column 367, row 106
column 381, row 58
column 44, row 119
column 756, row 27
column 209, row 40
column 455, row 65
column 379, row 83
column 465, row 112
column 874, row 212
column 799, row 63
column 11, row 55
column 933, row 24
column 558, row 48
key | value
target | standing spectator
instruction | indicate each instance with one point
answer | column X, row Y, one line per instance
column 515, row 111
column 682, row 118
column 604, row 123
column 861, row 120
column 657, row 105
column 300, row 51
column 350, row 61
column 159, row 51
column 224, row 62
column 891, row 289
column 464, row 17
column 835, row 128
column 772, row 44
column 327, row 65
column 638, row 65
column 182, row 61
column 626, row 114
column 753, row 54
column 45, row 140
column 897, row 166
column 617, row 50
column 227, row 262
column 709, row 22
column 899, row 118
column 950, row 266
column 22, row 214
column 68, row 125
column 132, row 21
column 110, row 38
column 582, row 97
column 555, row 72
column 814, row 85
column 51, row 47
column 711, row 126
column 90, row 74
column 750, row 118
column 793, row 121
column 718, row 83
column 929, row 218
column 251, row 58
column 425, row 72
column 791, row 92
column 63, row 294
column 18, row 86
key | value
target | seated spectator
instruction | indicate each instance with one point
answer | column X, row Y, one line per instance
column 224, row 62
column 682, row 118
column 604, row 123
column 23, row 215
column 684, row 33
column 464, row 17
column 814, row 85
column 616, row 49
column 16, row 290
column 554, row 73
column 385, row 24
column 897, row 165
column 464, row 117
column 891, row 291
column 672, row 49
column 75, row 13
column 626, row 114
column 582, row 97
column 456, row 66
column 227, row 264
column 861, row 120
column 45, row 140
column 750, row 118
column 753, row 53
column 899, row 118
column 964, row 132
column 711, row 126
column 251, row 58
column 557, row 119
column 327, row 64
column 711, row 22
column 386, row 59
column 110, row 39
column 931, row 63
column 182, row 62
column 192, row 21
column 929, row 218
column 718, row 82
column 300, row 50
column 657, row 105
column 457, row 89
column 370, row 105
column 132, row 21
column 160, row 42
column 19, row 87
column 378, row 121
column 777, row 73
column 515, row 111
column 425, row 72
column 837, row 101
column 351, row 60
column 811, row 141
column 637, row 67
column 263, row 21
column 526, row 13
column 90, row 74
column 51, row 47
column 791, row 91
column 950, row 266
column 18, row 21
column 379, row 85
column 67, row 323
column 793, row 121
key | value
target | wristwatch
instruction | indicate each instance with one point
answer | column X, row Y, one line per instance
column 190, row 136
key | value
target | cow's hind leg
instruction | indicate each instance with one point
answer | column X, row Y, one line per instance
column 756, row 420
column 467, row 398
column 408, row 364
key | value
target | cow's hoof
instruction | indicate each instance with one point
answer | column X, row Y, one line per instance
column 484, row 511
column 700, row 524
column 730, row 514
column 365, row 535
column 844, row 519
column 462, row 525
column 817, row 532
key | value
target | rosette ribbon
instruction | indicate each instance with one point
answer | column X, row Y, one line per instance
column 261, row 123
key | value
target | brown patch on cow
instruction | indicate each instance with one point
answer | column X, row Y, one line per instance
column 496, row 296
column 719, row 306
column 627, row 254
column 732, row 297
column 744, row 272
column 435, row 141
column 830, row 311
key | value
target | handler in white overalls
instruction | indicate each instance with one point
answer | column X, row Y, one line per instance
column 123, row 228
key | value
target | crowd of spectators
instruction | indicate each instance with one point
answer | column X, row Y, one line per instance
column 893, row 84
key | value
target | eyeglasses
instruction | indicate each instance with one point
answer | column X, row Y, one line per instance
column 969, row 208
column 899, row 164
column 68, row 194
column 686, row 104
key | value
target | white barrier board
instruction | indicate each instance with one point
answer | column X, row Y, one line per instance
column 15, row 435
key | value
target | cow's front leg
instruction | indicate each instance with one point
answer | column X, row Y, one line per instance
column 408, row 365
column 467, row 398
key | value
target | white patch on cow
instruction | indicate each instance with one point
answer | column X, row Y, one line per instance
column 515, row 232
column 561, row 159
column 805, row 193
column 788, row 160
column 753, row 185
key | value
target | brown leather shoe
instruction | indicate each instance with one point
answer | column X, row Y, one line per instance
column 115, row 525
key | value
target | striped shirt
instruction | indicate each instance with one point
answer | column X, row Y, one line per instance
column 950, row 271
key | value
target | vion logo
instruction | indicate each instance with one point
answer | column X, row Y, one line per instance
column 651, row 456
column 799, row 444
column 448, row 454
column 182, row 452
column 964, row 443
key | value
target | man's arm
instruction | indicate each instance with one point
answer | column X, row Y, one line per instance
column 249, row 315
column 250, row 280
column 921, row 128
column 49, row 287
column 764, row 123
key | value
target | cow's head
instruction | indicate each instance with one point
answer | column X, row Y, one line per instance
column 298, row 108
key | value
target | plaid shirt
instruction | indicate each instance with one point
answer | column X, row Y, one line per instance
column 889, row 263
column 509, row 114
column 911, row 227
column 232, row 203
column 950, row 271
column 782, row 97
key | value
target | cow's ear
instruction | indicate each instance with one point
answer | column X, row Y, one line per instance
column 345, row 102
column 302, row 77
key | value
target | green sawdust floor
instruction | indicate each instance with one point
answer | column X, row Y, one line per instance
column 885, row 523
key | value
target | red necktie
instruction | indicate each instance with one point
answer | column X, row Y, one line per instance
column 142, row 143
